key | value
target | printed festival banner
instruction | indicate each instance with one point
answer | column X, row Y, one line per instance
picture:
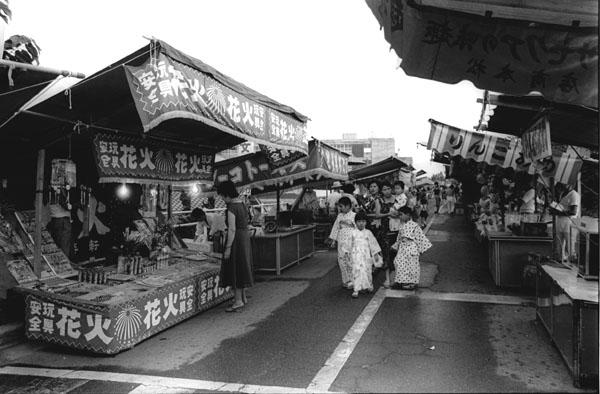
column 513, row 57
column 129, row 159
column 255, row 171
column 164, row 89
column 536, row 140
column 111, row 329
column 501, row 150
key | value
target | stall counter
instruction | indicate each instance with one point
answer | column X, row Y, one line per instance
column 567, row 307
column 276, row 251
column 109, row 319
column 508, row 254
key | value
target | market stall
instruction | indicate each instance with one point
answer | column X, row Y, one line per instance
column 499, row 225
column 392, row 169
column 288, row 237
column 127, row 134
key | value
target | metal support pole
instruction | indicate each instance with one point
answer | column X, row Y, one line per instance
column 39, row 194
column 278, row 203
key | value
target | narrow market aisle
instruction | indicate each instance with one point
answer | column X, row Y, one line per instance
column 419, row 344
column 462, row 262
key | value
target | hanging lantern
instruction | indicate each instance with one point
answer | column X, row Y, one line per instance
column 64, row 174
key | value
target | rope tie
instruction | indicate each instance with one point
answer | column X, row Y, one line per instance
column 69, row 97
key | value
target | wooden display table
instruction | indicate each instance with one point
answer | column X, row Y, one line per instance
column 507, row 255
column 277, row 251
column 567, row 306
column 108, row 319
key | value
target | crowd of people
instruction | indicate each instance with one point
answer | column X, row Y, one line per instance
column 380, row 229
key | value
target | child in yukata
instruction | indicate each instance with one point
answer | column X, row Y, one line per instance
column 365, row 250
column 410, row 244
column 341, row 232
column 401, row 200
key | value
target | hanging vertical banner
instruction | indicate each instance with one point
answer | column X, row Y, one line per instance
column 502, row 55
column 502, row 150
column 536, row 140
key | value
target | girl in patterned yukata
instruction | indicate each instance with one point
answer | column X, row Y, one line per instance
column 365, row 250
column 410, row 244
column 341, row 232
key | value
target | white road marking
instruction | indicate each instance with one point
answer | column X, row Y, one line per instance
column 160, row 382
column 143, row 389
column 334, row 364
column 463, row 297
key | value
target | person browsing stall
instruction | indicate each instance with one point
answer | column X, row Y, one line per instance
column 236, row 267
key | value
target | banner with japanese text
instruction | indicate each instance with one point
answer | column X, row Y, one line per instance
column 501, row 55
column 112, row 329
column 243, row 171
column 501, row 150
column 255, row 171
column 280, row 157
column 164, row 89
column 129, row 159
column 536, row 140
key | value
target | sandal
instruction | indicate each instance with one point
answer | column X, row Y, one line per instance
column 355, row 294
column 233, row 308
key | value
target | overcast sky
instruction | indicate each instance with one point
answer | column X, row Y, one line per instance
column 326, row 58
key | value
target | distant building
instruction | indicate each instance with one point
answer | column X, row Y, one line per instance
column 367, row 150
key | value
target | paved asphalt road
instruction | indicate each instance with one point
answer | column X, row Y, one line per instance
column 303, row 330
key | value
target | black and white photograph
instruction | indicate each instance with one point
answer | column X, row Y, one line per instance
column 316, row 196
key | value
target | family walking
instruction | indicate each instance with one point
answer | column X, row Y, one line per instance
column 382, row 234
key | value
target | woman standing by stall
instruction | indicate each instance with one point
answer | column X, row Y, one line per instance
column 236, row 268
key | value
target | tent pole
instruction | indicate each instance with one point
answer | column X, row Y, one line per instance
column 26, row 66
column 278, row 203
column 39, row 194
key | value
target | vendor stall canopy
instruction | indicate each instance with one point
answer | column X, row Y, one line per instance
column 163, row 93
column 381, row 168
column 274, row 169
column 569, row 124
column 509, row 46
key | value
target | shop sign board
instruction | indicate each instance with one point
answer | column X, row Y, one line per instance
column 536, row 140
column 112, row 328
column 164, row 89
column 121, row 158
column 255, row 171
column 501, row 55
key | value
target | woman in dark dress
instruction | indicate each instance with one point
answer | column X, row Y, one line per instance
column 236, row 267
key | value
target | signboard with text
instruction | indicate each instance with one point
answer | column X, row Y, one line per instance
column 164, row 89
column 115, row 328
column 256, row 171
column 536, row 140
column 121, row 158
column 500, row 55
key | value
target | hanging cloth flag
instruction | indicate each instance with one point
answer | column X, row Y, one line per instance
column 501, row 150
column 496, row 54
